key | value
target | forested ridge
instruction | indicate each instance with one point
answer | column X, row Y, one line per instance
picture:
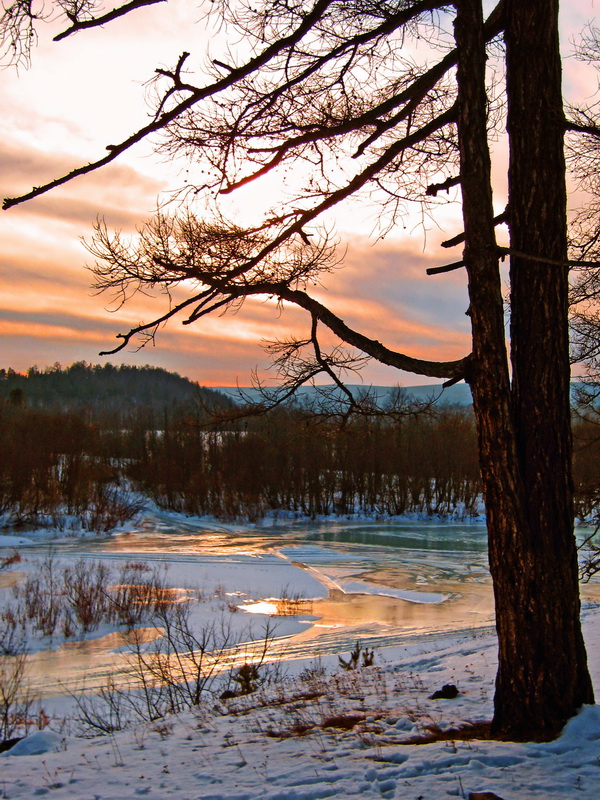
column 104, row 389
column 83, row 446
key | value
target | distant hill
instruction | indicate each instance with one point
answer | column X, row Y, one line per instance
column 459, row 394
column 105, row 388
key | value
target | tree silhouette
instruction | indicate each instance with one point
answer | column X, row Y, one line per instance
column 328, row 84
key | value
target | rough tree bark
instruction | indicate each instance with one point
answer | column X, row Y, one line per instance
column 489, row 374
column 543, row 676
column 524, row 430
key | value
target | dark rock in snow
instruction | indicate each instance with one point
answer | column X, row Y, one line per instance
column 447, row 692
column 483, row 796
column 8, row 743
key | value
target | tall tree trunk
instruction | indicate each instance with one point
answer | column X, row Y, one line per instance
column 523, row 432
column 543, row 676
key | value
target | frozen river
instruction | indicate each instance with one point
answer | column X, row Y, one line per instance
column 380, row 582
column 390, row 579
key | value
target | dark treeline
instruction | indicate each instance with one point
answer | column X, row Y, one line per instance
column 106, row 393
column 424, row 463
column 66, row 435
column 586, row 437
column 56, row 470
column 90, row 465
column 286, row 461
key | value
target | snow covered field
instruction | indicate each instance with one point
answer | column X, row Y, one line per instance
column 320, row 731
column 295, row 748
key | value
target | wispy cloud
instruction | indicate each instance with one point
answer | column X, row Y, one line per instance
column 119, row 192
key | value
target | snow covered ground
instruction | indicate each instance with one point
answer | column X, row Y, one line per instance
column 317, row 731
column 293, row 741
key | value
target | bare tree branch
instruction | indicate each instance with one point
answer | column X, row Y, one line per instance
column 357, row 182
column 576, row 127
column 460, row 238
column 444, row 186
column 509, row 251
column 234, row 76
column 158, row 124
column 146, row 328
column 446, row 268
column 94, row 22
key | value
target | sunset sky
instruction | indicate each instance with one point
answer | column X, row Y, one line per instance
column 86, row 92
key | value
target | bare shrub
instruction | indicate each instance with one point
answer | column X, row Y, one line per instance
column 109, row 506
column 8, row 561
column 18, row 712
column 70, row 599
column 589, row 562
column 39, row 598
column 84, row 591
column 10, row 642
column 175, row 672
column 102, row 713
column 355, row 661
column 292, row 603
column 187, row 664
column 76, row 599
column 138, row 593
column 247, row 677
